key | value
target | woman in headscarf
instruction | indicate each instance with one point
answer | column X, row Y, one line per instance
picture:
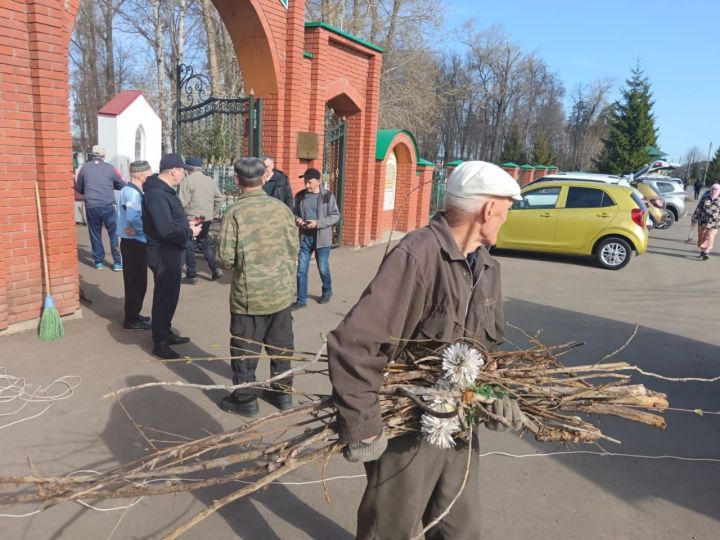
column 707, row 217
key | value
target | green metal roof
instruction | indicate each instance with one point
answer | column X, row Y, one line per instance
column 526, row 167
column 334, row 30
column 385, row 137
column 455, row 163
column 655, row 152
column 509, row 164
column 425, row 163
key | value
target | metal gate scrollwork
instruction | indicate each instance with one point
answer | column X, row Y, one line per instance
column 219, row 130
column 334, row 163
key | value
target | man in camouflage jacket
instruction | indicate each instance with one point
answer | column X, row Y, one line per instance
column 258, row 240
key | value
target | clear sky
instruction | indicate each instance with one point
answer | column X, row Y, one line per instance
column 676, row 42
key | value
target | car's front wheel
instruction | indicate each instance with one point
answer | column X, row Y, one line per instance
column 613, row 253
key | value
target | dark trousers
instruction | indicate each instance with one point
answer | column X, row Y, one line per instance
column 96, row 218
column 135, row 267
column 308, row 244
column 249, row 334
column 166, row 263
column 206, row 249
column 413, row 483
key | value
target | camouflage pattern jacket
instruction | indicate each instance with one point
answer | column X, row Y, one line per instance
column 258, row 239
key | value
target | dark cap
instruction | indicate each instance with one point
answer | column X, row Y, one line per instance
column 311, row 174
column 139, row 166
column 171, row 161
column 194, row 162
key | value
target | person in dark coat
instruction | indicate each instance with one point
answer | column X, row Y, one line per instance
column 168, row 234
column 276, row 183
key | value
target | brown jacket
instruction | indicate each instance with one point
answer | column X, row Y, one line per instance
column 422, row 291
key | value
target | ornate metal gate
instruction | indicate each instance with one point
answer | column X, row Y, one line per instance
column 217, row 129
column 334, row 163
column 437, row 196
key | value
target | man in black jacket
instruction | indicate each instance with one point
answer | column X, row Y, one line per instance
column 168, row 233
column 276, row 183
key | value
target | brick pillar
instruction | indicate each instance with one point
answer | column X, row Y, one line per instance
column 357, row 186
column 48, row 39
column 410, row 199
column 526, row 174
column 512, row 169
column 368, row 172
column 296, row 90
column 539, row 171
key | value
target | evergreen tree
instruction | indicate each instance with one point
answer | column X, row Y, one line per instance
column 713, row 172
column 631, row 128
column 542, row 152
column 513, row 150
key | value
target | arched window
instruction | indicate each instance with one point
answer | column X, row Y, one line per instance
column 390, row 181
column 139, row 144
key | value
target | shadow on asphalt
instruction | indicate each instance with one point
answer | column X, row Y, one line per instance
column 687, row 484
column 172, row 413
column 550, row 257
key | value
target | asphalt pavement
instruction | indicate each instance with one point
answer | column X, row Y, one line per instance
column 530, row 490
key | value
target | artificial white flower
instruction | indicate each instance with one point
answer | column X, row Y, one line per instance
column 440, row 432
column 461, row 364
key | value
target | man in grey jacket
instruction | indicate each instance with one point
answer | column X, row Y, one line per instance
column 316, row 211
column 97, row 181
column 200, row 196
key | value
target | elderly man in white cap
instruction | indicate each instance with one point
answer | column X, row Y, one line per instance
column 439, row 284
column 97, row 181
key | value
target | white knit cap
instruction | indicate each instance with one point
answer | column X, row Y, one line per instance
column 98, row 150
column 473, row 179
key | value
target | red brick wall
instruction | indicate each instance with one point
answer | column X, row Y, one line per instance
column 36, row 141
column 346, row 75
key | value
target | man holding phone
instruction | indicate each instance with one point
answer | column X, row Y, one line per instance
column 316, row 211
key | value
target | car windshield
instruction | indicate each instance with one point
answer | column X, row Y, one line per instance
column 541, row 198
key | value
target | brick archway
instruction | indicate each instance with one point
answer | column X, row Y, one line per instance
column 35, row 121
column 403, row 214
column 296, row 67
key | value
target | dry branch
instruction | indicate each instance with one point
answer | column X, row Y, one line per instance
column 551, row 396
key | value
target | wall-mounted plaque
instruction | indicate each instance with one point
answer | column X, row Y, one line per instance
column 307, row 145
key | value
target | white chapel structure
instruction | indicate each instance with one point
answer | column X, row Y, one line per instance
column 130, row 130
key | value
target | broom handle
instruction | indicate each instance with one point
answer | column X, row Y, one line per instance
column 42, row 239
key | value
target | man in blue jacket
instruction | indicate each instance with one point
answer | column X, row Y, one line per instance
column 133, row 246
column 168, row 233
column 97, row 181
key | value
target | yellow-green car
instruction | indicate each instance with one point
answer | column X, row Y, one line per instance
column 606, row 221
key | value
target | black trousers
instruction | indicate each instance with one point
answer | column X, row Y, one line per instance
column 135, row 267
column 204, row 243
column 249, row 334
column 166, row 263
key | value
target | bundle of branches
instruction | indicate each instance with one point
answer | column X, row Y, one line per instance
column 439, row 393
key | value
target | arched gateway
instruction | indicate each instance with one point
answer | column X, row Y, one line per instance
column 297, row 68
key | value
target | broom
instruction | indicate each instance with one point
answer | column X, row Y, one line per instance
column 50, row 323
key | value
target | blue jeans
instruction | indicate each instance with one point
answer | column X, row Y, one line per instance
column 96, row 218
column 308, row 244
